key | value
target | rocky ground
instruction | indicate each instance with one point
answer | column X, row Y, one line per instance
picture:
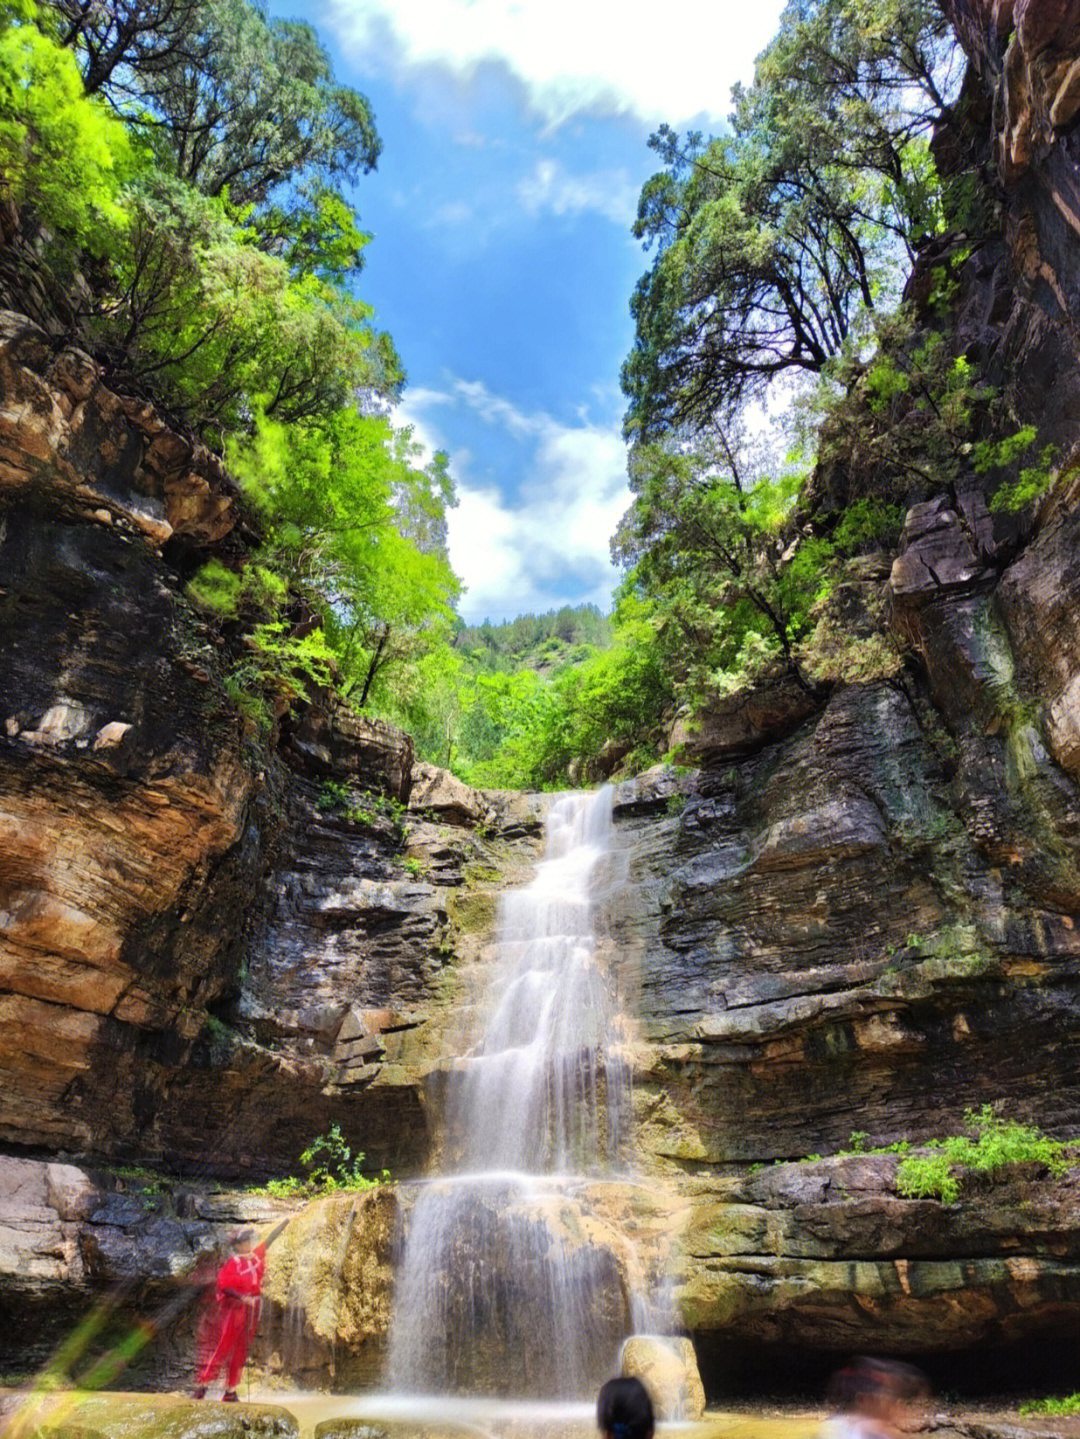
column 131, row 1416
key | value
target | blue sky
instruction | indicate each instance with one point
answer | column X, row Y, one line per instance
column 514, row 147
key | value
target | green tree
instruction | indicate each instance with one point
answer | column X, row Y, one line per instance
column 772, row 243
column 710, row 547
column 45, row 119
column 196, row 312
column 328, row 493
column 138, row 37
column 242, row 103
column 619, row 694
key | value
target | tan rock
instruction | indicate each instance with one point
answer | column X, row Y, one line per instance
column 444, row 795
column 67, row 436
column 111, row 736
column 66, row 720
column 667, row 1366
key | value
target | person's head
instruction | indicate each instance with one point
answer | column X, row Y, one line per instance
column 882, row 1389
column 242, row 1241
column 624, row 1410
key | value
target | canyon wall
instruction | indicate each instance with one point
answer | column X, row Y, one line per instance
column 856, row 915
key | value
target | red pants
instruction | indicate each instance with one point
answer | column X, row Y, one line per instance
column 230, row 1345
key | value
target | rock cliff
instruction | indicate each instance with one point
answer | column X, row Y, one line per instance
column 858, row 916
column 200, row 964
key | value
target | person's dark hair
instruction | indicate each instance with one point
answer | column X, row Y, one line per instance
column 625, row 1410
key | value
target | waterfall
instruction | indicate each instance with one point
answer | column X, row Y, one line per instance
column 508, row 1282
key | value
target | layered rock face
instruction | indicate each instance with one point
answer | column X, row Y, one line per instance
column 844, row 943
column 69, row 1237
column 125, row 797
column 139, row 822
column 871, row 921
column 860, row 916
column 862, row 930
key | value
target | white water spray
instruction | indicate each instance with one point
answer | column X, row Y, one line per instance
column 506, row 1283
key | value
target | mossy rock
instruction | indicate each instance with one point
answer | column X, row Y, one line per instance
column 472, row 912
column 348, row 1429
column 152, row 1416
column 64, row 1431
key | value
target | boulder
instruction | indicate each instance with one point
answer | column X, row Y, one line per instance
column 667, row 1366
column 442, row 795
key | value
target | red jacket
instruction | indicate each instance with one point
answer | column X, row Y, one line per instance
column 242, row 1276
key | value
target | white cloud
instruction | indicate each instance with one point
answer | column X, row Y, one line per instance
column 456, row 212
column 575, row 55
column 495, row 410
column 513, row 555
column 550, row 187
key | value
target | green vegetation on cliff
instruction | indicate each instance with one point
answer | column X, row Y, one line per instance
column 991, row 1144
column 329, row 1167
column 208, row 259
column 809, row 260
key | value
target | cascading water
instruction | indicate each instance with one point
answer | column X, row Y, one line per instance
column 508, row 1283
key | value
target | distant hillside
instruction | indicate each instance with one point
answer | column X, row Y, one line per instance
column 545, row 643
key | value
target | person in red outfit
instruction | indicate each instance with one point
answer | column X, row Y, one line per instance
column 234, row 1316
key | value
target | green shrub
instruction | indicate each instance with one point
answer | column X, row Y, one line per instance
column 1032, row 481
column 216, row 588
column 333, row 794
column 868, row 523
column 928, row 1177
column 992, row 1145
column 331, row 1167
column 1070, row 1404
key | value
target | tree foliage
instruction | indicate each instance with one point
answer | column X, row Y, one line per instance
column 211, row 252
column 199, row 314
column 329, row 493
column 707, row 544
column 516, row 703
column 240, row 103
column 771, row 243
column 44, row 121
column 224, row 247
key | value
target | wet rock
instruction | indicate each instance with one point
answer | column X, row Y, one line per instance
column 802, row 971
column 1036, row 601
column 822, row 1252
column 328, row 1292
column 668, row 1369
column 515, row 815
column 156, row 1416
column 348, row 1429
column 663, row 787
